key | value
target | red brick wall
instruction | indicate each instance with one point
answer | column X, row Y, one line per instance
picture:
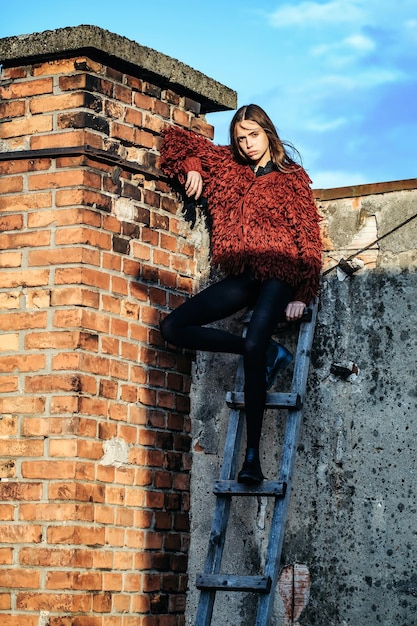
column 94, row 424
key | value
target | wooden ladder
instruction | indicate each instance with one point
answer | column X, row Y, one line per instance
column 265, row 585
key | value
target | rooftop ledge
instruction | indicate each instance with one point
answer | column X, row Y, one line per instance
column 357, row 191
column 121, row 53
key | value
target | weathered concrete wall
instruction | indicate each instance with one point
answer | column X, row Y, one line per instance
column 353, row 506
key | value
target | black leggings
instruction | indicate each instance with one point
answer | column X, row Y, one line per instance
column 184, row 327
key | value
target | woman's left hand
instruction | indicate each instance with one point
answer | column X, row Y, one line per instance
column 294, row 310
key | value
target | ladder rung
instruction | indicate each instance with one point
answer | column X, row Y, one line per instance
column 229, row 582
column 264, row 488
column 236, row 400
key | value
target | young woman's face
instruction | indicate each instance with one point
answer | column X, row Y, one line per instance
column 253, row 142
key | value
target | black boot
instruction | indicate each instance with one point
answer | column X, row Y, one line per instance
column 251, row 472
column 278, row 358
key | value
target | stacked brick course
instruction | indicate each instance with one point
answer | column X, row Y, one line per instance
column 94, row 425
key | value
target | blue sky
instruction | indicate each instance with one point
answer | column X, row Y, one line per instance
column 338, row 77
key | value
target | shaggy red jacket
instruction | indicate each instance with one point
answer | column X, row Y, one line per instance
column 269, row 223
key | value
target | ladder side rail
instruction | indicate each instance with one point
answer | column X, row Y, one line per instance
column 222, row 506
column 302, row 361
column 215, row 552
column 232, row 444
column 227, row 472
column 276, row 537
column 292, row 429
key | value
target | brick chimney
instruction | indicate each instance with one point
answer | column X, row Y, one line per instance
column 94, row 407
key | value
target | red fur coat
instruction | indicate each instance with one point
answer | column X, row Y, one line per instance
column 269, row 222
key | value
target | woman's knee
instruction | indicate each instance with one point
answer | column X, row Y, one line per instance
column 167, row 329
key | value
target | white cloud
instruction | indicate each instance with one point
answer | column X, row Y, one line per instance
column 344, row 53
column 360, row 43
column 357, row 44
column 375, row 77
column 313, row 13
column 411, row 24
column 319, row 89
column 410, row 31
column 321, row 126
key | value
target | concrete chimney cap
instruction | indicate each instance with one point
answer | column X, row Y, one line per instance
column 118, row 51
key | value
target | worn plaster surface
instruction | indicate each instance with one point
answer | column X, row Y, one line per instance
column 354, row 498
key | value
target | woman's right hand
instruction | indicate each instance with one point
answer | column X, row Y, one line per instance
column 194, row 184
column 294, row 310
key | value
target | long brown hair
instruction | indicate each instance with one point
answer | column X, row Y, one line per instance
column 282, row 152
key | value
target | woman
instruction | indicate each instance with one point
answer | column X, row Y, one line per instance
column 264, row 237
